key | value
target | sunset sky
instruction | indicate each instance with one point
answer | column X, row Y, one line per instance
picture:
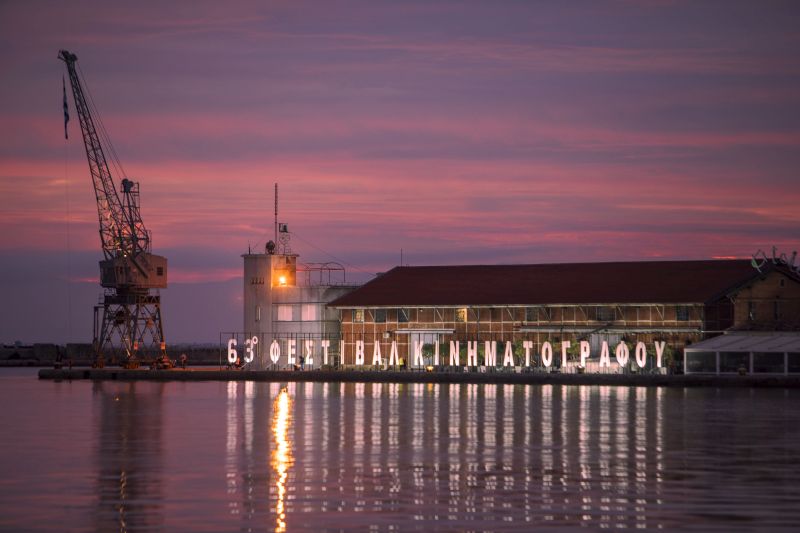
column 461, row 132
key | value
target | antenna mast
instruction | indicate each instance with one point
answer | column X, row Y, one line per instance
column 276, row 212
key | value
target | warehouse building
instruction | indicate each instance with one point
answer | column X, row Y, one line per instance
column 572, row 314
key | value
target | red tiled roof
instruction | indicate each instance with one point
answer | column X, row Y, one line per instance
column 575, row 283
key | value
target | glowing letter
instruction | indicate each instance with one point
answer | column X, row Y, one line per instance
column 623, row 354
column 605, row 357
column 309, row 344
column 489, row 353
column 472, row 353
column 508, row 358
column 584, row 353
column 359, row 352
column 641, row 354
column 418, row 353
column 232, row 355
column 341, row 352
column 659, row 351
column 436, row 353
column 376, row 354
column 291, row 350
column 394, row 359
column 274, row 351
column 325, row 345
column 250, row 349
column 454, row 351
column 547, row 354
column 527, row 345
column 564, row 347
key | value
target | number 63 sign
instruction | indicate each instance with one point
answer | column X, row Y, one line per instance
column 250, row 350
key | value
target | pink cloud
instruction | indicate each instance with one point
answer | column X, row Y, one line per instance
column 189, row 205
column 202, row 275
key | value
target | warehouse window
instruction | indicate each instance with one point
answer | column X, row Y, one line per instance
column 768, row 362
column 402, row 315
column 777, row 310
column 258, row 313
column 461, row 314
column 534, row 314
column 751, row 310
column 701, row 362
column 733, row 361
column 604, row 314
column 682, row 313
column 284, row 313
column 308, row 313
column 380, row 315
column 358, row 315
column 794, row 363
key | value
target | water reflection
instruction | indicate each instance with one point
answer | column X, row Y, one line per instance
column 282, row 456
column 128, row 452
column 470, row 454
column 439, row 456
column 185, row 457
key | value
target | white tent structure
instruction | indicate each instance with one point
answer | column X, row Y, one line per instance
column 745, row 352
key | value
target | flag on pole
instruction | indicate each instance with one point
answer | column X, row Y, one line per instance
column 66, row 109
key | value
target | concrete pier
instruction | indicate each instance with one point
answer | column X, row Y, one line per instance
column 629, row 380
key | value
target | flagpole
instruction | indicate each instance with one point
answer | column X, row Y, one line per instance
column 66, row 108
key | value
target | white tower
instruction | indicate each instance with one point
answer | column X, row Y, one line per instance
column 263, row 274
column 257, row 295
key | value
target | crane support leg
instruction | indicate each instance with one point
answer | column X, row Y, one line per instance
column 130, row 331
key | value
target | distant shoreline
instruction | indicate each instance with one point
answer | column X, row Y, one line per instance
column 351, row 376
column 77, row 365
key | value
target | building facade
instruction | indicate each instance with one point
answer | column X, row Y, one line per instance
column 559, row 312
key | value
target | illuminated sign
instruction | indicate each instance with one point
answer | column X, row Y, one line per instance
column 495, row 353
column 250, row 350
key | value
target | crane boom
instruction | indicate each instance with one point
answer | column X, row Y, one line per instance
column 119, row 234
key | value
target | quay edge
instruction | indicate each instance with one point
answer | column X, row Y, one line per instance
column 337, row 376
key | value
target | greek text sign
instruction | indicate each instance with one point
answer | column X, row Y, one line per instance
column 458, row 353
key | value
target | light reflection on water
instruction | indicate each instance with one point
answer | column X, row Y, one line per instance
column 282, row 456
column 297, row 456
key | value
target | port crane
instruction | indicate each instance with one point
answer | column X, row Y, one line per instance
column 127, row 323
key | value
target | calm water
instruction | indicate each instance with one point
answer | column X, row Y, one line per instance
column 264, row 457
